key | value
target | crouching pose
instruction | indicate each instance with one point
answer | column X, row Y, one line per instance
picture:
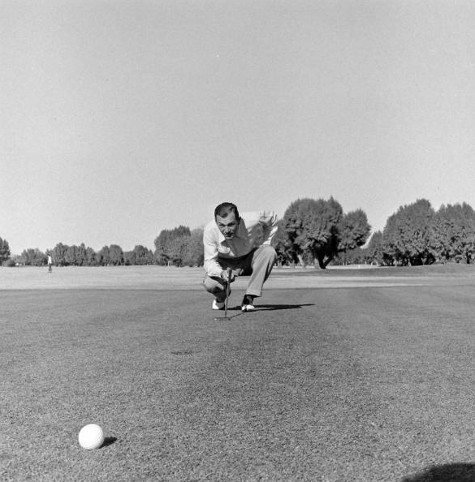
column 240, row 243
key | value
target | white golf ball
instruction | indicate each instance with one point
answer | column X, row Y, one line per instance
column 91, row 436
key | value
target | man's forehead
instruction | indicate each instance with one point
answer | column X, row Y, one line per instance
column 230, row 218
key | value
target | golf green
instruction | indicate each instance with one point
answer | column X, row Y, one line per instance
column 349, row 375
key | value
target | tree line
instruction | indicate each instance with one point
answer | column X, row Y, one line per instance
column 417, row 235
column 64, row 255
column 178, row 247
column 311, row 232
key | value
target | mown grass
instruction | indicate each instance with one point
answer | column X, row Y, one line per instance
column 364, row 384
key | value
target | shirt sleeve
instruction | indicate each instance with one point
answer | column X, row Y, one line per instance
column 211, row 265
column 269, row 220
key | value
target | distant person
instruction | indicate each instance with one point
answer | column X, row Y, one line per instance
column 50, row 264
column 240, row 243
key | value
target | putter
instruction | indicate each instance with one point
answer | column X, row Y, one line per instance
column 225, row 317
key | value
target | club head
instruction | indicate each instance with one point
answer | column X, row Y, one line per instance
column 222, row 318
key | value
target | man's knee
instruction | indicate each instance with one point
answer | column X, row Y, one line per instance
column 212, row 285
column 269, row 253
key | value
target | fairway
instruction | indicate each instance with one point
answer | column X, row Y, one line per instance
column 345, row 375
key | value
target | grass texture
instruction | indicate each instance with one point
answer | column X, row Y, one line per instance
column 356, row 383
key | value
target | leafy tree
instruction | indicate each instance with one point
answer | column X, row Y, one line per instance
column 143, row 255
column 286, row 253
column 59, row 254
column 390, row 241
column 177, row 250
column 140, row 255
column 453, row 233
column 169, row 245
column 193, row 252
column 116, row 255
column 70, row 256
column 318, row 230
column 80, row 255
column 4, row 250
column 353, row 231
column 312, row 226
column 90, row 257
column 102, row 257
column 33, row 257
column 129, row 258
column 407, row 234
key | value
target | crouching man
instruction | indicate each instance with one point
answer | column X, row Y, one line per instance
column 240, row 243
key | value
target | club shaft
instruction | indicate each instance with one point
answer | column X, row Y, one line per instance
column 228, row 284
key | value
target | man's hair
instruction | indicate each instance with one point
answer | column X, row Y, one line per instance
column 224, row 209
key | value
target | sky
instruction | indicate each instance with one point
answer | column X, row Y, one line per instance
column 120, row 118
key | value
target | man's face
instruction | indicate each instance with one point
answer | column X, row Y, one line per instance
column 228, row 225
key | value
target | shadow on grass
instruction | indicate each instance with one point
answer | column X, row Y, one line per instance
column 271, row 307
column 281, row 307
column 445, row 473
column 232, row 315
column 108, row 441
